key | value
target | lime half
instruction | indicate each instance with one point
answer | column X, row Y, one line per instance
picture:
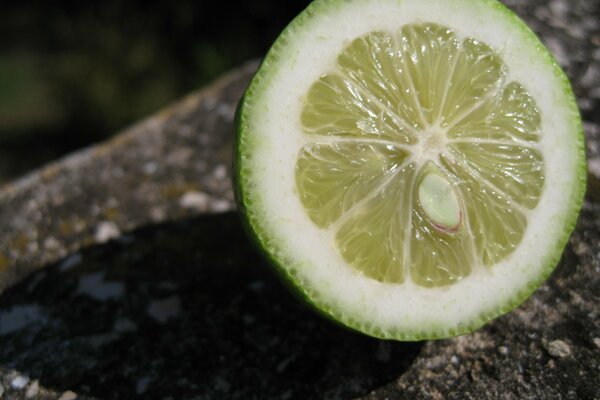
column 413, row 167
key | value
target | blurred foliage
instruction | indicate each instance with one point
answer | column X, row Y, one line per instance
column 73, row 73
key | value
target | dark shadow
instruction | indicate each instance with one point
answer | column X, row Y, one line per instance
column 186, row 310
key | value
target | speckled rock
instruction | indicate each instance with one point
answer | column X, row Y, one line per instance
column 186, row 309
column 173, row 165
column 150, row 291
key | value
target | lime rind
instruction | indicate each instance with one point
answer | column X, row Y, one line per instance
column 265, row 232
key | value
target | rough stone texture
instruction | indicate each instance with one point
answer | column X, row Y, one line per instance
column 187, row 309
column 173, row 165
column 546, row 349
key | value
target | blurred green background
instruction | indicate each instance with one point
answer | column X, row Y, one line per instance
column 73, row 73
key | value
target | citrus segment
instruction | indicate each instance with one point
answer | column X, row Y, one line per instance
column 509, row 116
column 496, row 222
column 516, row 170
column 337, row 107
column 374, row 236
column 420, row 94
column 333, row 177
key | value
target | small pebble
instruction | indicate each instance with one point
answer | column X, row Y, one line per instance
column 106, row 230
column 194, row 200
column 142, row 385
column 51, row 243
column 221, row 206
column 585, row 104
column 32, row 390
column 591, row 77
column 20, row 317
column 19, row 382
column 1, row 390
column 157, row 214
column 226, row 111
column 68, row 395
column 220, row 172
column 597, row 342
column 165, row 309
column 209, row 103
column 503, row 350
column 559, row 9
column 150, row 167
column 94, row 286
column 558, row 348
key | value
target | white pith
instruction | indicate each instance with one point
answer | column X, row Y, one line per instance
column 310, row 254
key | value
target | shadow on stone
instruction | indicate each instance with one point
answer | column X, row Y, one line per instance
column 187, row 310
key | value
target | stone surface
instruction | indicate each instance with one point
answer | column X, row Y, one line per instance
column 200, row 316
column 146, row 293
column 542, row 350
column 173, row 165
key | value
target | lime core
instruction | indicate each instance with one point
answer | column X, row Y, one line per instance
column 421, row 157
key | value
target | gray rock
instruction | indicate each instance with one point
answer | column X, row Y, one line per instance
column 173, row 165
column 558, row 348
column 68, row 395
column 203, row 315
column 134, row 214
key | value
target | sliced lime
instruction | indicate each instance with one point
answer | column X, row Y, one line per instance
column 413, row 167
